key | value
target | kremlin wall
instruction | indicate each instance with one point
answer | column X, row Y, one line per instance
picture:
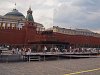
column 16, row 30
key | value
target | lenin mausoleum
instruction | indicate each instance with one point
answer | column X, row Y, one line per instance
column 18, row 30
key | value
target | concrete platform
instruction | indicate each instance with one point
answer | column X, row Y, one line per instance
column 46, row 56
column 57, row 56
column 10, row 58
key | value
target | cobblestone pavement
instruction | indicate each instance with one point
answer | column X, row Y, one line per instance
column 55, row 67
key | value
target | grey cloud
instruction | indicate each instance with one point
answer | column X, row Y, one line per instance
column 88, row 5
column 80, row 13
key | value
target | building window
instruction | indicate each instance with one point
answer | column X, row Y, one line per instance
column 21, row 24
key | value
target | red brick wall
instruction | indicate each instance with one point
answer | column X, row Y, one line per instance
column 28, row 34
column 12, row 36
column 78, row 39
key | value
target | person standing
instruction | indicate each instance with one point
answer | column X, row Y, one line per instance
column 45, row 49
column 13, row 50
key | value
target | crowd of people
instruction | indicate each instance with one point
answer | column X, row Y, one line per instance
column 21, row 51
column 54, row 49
column 70, row 50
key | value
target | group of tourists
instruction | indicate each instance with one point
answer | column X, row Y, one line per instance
column 70, row 50
column 52, row 50
column 82, row 50
column 21, row 51
column 45, row 49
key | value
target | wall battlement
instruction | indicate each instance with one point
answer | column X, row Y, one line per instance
column 10, row 28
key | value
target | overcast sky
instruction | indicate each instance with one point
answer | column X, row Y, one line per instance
column 83, row 14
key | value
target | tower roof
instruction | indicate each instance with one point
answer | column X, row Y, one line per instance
column 29, row 16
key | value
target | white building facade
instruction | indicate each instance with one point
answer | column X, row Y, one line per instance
column 84, row 32
column 16, row 19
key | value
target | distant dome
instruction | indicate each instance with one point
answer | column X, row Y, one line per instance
column 15, row 13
